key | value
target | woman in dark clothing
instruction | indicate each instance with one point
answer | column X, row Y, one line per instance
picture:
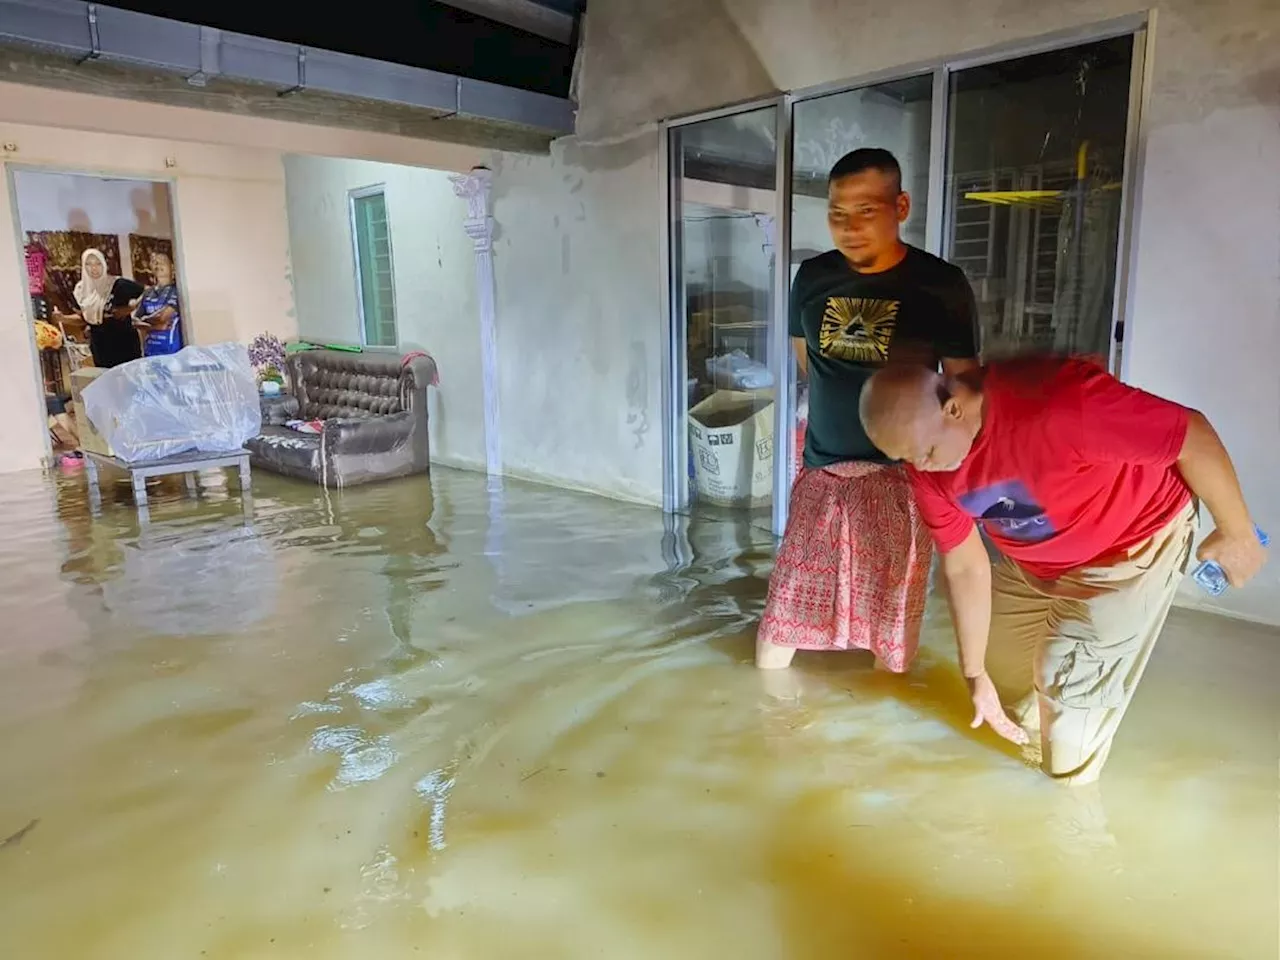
column 106, row 304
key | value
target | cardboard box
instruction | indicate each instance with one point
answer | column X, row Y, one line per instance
column 82, row 378
column 731, row 445
column 90, row 439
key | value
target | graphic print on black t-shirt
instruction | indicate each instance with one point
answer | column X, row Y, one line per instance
column 852, row 323
column 858, row 329
column 1007, row 509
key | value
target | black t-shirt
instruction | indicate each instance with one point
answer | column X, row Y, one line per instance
column 920, row 311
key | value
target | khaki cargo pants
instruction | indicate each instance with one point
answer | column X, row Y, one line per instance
column 1066, row 655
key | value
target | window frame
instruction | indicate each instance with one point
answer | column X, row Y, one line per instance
column 353, row 197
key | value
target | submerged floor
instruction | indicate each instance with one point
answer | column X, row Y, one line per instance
column 418, row 719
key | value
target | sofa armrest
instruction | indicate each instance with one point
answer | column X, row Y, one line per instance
column 375, row 436
column 278, row 410
column 418, row 373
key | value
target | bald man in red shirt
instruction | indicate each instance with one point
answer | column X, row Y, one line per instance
column 1088, row 488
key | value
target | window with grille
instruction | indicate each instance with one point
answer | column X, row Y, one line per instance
column 371, row 234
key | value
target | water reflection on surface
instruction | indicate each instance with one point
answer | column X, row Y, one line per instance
column 434, row 718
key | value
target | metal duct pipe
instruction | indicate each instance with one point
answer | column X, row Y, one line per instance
column 93, row 31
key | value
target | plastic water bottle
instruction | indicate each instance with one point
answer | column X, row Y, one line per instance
column 1210, row 576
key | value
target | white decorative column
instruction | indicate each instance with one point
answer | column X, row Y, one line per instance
column 475, row 188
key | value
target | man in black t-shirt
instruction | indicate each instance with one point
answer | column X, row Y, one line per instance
column 852, row 572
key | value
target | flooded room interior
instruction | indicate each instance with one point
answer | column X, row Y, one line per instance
column 398, row 522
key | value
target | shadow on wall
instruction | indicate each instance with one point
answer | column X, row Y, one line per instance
column 150, row 203
column 79, row 221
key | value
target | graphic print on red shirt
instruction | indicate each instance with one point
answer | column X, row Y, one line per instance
column 1071, row 466
column 1009, row 510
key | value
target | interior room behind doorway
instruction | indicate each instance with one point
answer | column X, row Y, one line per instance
column 99, row 254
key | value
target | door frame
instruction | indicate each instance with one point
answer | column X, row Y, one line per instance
column 675, row 478
column 675, row 448
column 362, row 335
column 20, row 238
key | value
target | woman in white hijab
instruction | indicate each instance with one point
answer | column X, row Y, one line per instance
column 104, row 303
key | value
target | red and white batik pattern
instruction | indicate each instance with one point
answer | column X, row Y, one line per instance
column 853, row 569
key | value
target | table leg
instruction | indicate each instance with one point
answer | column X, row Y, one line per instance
column 193, row 486
column 246, row 489
column 95, row 493
column 139, row 489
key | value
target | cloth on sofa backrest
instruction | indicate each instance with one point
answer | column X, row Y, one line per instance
column 331, row 384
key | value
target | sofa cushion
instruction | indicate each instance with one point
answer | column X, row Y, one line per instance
column 356, row 386
column 286, row 451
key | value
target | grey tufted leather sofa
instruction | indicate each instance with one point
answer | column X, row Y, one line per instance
column 374, row 408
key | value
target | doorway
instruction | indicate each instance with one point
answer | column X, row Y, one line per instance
column 1020, row 165
column 101, row 275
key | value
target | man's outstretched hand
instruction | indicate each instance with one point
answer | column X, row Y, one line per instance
column 987, row 709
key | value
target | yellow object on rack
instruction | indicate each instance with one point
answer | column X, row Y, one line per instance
column 1041, row 198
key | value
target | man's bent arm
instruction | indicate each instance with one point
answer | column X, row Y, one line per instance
column 1208, row 471
column 801, row 350
column 968, row 572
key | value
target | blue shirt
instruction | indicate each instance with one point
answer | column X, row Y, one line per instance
column 160, row 342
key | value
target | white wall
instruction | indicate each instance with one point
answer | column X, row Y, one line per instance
column 577, row 343
column 579, row 302
column 435, row 284
column 63, row 201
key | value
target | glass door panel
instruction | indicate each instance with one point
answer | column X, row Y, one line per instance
column 895, row 116
column 723, row 192
column 1034, row 194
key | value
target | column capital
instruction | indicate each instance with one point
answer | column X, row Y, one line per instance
column 475, row 187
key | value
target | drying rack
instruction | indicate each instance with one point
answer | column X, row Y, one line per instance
column 1049, row 199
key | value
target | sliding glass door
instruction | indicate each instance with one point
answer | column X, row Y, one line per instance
column 1035, row 165
column 725, row 364
column 896, row 116
column 1020, row 171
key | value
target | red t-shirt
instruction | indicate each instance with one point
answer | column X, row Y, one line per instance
column 1071, row 466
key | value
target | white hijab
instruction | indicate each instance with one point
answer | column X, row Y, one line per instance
column 91, row 294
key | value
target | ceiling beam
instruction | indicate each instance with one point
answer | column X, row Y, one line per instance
column 93, row 33
column 527, row 15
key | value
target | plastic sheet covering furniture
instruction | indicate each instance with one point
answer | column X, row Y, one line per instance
column 373, row 408
column 201, row 399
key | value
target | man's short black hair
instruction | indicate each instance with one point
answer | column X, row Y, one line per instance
column 868, row 158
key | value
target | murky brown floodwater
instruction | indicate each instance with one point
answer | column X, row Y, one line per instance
column 386, row 724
